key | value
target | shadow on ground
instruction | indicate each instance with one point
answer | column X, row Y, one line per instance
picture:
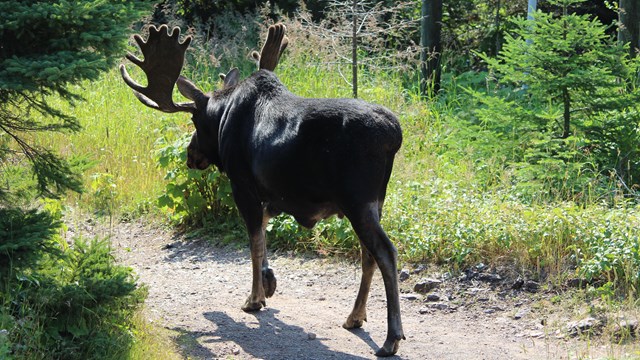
column 265, row 338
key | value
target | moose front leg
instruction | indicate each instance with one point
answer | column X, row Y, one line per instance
column 264, row 281
column 269, row 281
column 256, row 300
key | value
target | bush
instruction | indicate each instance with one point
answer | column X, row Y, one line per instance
column 25, row 236
column 446, row 223
column 192, row 197
column 61, row 300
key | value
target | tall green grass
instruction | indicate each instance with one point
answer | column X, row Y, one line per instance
column 118, row 135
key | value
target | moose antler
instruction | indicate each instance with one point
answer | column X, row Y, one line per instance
column 163, row 59
column 273, row 47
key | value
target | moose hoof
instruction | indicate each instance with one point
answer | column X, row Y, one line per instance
column 389, row 348
column 251, row 305
column 268, row 282
column 354, row 323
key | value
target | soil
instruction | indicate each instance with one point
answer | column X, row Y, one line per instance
column 196, row 289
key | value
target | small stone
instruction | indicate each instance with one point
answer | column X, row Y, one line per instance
column 626, row 329
column 311, row 336
column 469, row 274
column 489, row 311
column 426, row 285
column 536, row 334
column 410, row 297
column 404, row 275
column 433, row 297
column 474, row 291
column 439, row 306
column 420, row 268
column 236, row 351
column 531, row 286
column 518, row 284
column 424, row 310
column 492, row 278
column 520, row 314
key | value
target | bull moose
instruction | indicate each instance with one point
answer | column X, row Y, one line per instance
column 310, row 158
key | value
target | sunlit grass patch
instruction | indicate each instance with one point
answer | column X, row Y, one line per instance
column 118, row 135
column 152, row 341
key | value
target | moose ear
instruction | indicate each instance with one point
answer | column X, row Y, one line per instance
column 232, row 78
column 188, row 89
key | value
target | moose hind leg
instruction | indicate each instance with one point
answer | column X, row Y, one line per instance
column 366, row 223
column 359, row 313
column 269, row 282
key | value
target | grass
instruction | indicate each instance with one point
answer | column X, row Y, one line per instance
column 152, row 342
column 118, row 134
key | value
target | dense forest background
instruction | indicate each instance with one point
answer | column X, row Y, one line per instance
column 521, row 145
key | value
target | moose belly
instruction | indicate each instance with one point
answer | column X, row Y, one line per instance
column 306, row 215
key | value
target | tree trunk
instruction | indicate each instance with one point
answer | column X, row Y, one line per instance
column 430, row 42
column 498, row 45
column 566, row 126
column 629, row 30
column 354, row 51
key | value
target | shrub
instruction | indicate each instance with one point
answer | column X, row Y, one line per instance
column 61, row 300
column 192, row 196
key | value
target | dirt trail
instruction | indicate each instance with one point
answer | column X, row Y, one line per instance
column 196, row 289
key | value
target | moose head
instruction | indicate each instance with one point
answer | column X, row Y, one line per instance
column 163, row 60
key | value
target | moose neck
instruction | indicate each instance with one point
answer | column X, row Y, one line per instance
column 231, row 116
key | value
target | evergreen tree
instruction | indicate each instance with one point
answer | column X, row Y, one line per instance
column 572, row 110
column 44, row 47
column 56, row 301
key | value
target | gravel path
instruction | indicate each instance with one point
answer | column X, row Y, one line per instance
column 196, row 290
